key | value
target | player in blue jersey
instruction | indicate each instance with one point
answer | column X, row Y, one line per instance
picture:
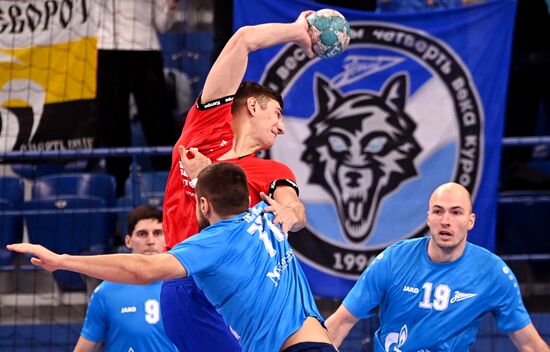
column 434, row 291
column 127, row 317
column 241, row 260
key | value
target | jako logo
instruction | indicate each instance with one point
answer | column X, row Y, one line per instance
column 395, row 115
column 131, row 309
column 410, row 289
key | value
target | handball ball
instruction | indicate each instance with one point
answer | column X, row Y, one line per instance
column 329, row 32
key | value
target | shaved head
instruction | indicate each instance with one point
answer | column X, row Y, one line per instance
column 450, row 217
column 456, row 190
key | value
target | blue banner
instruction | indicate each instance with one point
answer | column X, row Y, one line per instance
column 415, row 101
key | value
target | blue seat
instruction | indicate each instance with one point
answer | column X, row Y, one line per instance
column 154, row 199
column 35, row 170
column 11, row 189
column 522, row 227
column 71, row 225
column 11, row 225
column 76, row 184
column 522, row 222
column 149, row 182
column 11, row 231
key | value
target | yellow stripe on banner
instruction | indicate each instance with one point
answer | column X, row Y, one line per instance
column 64, row 72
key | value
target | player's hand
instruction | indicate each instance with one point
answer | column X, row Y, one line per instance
column 42, row 257
column 193, row 161
column 283, row 215
column 305, row 40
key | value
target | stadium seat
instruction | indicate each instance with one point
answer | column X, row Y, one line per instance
column 72, row 225
column 149, row 182
column 522, row 222
column 521, row 230
column 11, row 189
column 76, row 184
column 35, row 170
column 11, row 231
column 11, row 226
column 154, row 199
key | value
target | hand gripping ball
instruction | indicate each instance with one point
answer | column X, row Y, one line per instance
column 329, row 32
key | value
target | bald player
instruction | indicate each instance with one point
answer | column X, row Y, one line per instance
column 434, row 291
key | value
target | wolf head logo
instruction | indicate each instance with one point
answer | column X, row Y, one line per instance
column 360, row 148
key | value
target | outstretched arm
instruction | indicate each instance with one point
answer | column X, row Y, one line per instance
column 226, row 74
column 123, row 268
column 339, row 324
column 528, row 340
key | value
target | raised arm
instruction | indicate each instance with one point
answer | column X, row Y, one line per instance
column 339, row 324
column 226, row 74
column 528, row 340
column 135, row 269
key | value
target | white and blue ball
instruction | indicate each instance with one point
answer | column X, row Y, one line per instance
column 329, row 31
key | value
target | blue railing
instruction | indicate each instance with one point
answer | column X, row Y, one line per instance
column 136, row 152
column 133, row 152
column 525, row 141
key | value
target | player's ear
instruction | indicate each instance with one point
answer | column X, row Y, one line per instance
column 127, row 241
column 428, row 218
column 204, row 206
column 471, row 221
column 251, row 105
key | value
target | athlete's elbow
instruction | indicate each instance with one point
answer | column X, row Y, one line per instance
column 142, row 277
column 142, row 271
column 246, row 38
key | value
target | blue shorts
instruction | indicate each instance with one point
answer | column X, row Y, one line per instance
column 191, row 322
column 311, row 347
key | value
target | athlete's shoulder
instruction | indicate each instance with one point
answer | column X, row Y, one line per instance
column 212, row 104
column 387, row 255
column 105, row 290
column 104, row 286
column 270, row 168
column 408, row 245
column 482, row 255
column 402, row 251
column 276, row 164
column 203, row 116
column 109, row 288
column 214, row 232
column 493, row 265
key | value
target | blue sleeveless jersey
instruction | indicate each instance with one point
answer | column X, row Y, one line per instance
column 126, row 318
column 428, row 306
column 249, row 273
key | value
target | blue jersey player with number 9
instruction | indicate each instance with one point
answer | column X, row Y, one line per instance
column 434, row 291
column 128, row 317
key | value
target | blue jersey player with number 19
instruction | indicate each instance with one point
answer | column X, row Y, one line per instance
column 434, row 291
column 241, row 260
